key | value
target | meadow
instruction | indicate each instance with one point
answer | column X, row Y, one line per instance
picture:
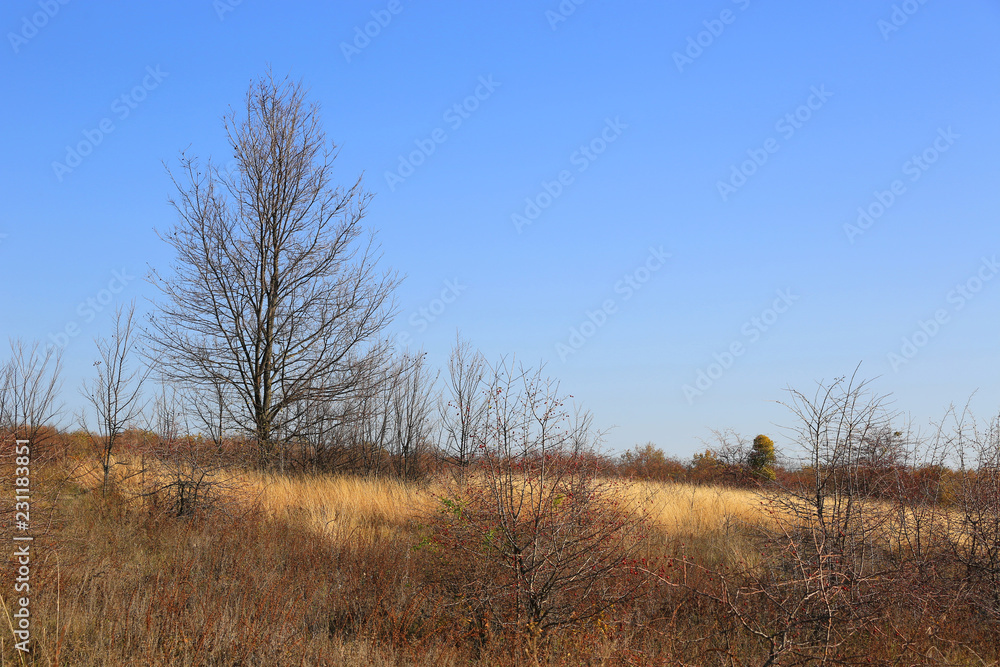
column 305, row 568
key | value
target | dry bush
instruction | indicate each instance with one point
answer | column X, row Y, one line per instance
column 971, row 530
column 532, row 540
column 649, row 462
column 554, row 553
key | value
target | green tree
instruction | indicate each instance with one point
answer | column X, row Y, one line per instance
column 761, row 458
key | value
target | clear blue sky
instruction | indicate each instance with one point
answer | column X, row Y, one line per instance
column 663, row 120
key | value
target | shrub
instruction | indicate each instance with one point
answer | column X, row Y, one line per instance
column 534, row 538
column 649, row 462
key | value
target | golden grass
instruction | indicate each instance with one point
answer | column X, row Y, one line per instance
column 353, row 510
column 350, row 509
column 686, row 509
column 343, row 508
column 356, row 511
column 346, row 509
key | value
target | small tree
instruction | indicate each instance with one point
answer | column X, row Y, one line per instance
column 761, row 458
column 463, row 406
column 825, row 563
column 115, row 394
column 29, row 387
column 823, row 576
column 410, row 410
column 971, row 530
column 182, row 478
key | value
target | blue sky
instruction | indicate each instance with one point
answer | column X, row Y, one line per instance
column 590, row 141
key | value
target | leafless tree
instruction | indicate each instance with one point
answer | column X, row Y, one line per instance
column 29, row 389
column 6, row 395
column 309, row 434
column 115, row 394
column 411, row 410
column 731, row 448
column 581, row 431
column 463, row 404
column 167, row 419
column 179, row 476
column 274, row 293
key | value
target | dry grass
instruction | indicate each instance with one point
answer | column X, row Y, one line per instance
column 352, row 507
column 323, row 570
column 341, row 506
column 346, row 509
column 714, row 522
column 686, row 509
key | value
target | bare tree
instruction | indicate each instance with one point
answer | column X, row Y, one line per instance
column 6, row 394
column 836, row 429
column 309, row 433
column 179, row 476
column 274, row 294
column 29, row 388
column 730, row 448
column 463, row 405
column 411, row 411
column 115, row 394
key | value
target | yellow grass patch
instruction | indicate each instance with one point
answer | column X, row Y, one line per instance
column 685, row 509
column 350, row 509
column 347, row 509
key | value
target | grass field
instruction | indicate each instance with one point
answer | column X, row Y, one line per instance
column 329, row 570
